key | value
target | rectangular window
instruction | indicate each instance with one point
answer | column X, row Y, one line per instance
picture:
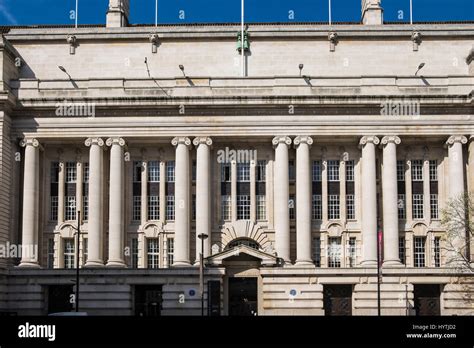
column 317, row 207
column 243, row 172
column 153, row 207
column 226, row 208
column 137, row 208
column 352, row 251
column 193, row 207
column 85, row 204
column 170, row 208
column 170, row 252
column 51, row 253
column 71, row 172
column 350, row 207
column 54, row 172
column 401, row 207
column 417, row 170
column 53, row 214
column 434, row 206
column 417, row 206
column 137, row 172
column 153, row 253
column 226, row 172
column 134, row 253
column 243, row 207
column 69, row 253
column 334, row 252
column 334, row 213
column 194, row 171
column 261, row 207
column 400, row 170
column 317, row 251
column 419, row 251
column 350, row 171
column 333, row 171
column 154, row 171
column 85, row 178
column 261, row 171
column 291, row 170
column 401, row 250
column 292, row 207
column 437, row 252
column 170, row 171
column 434, row 170
column 85, row 250
column 317, row 171
column 70, row 207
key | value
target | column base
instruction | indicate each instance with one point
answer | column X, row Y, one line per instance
column 392, row 263
column 94, row 264
column 29, row 264
column 182, row 264
column 304, row 263
column 369, row 263
column 116, row 264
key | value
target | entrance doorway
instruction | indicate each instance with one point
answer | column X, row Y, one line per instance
column 337, row 300
column 243, row 296
column 427, row 299
column 148, row 300
column 59, row 298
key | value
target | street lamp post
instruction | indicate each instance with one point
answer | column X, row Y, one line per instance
column 202, row 237
column 77, row 258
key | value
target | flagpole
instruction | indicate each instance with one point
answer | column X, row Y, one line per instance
column 242, row 38
column 156, row 13
column 330, row 14
column 77, row 9
column 411, row 12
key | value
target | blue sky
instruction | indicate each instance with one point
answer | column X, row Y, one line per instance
column 26, row 12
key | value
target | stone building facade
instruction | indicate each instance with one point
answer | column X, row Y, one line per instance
column 290, row 171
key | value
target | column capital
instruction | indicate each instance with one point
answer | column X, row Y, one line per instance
column 29, row 142
column 94, row 141
column 281, row 140
column 456, row 139
column 303, row 139
column 115, row 141
column 181, row 141
column 202, row 141
column 391, row 139
column 372, row 139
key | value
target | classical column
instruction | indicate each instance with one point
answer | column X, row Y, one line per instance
column 203, row 194
column 281, row 197
column 455, row 191
column 30, row 204
column 182, row 187
column 61, row 189
column 390, row 200
column 470, row 181
column 116, row 203
column 303, row 200
column 95, row 233
column 369, row 201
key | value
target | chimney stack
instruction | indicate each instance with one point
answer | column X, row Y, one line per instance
column 117, row 14
column 372, row 12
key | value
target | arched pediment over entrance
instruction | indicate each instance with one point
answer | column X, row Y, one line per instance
column 245, row 229
column 242, row 252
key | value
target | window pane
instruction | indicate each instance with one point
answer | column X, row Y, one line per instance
column 334, row 252
column 153, row 253
column 419, row 251
column 333, row 170
column 170, row 171
column 69, row 253
column 154, row 171
column 317, row 207
column 243, row 207
column 317, row 251
column 417, row 170
column 317, row 171
column 350, row 171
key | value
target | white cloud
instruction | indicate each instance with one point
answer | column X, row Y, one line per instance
column 5, row 12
